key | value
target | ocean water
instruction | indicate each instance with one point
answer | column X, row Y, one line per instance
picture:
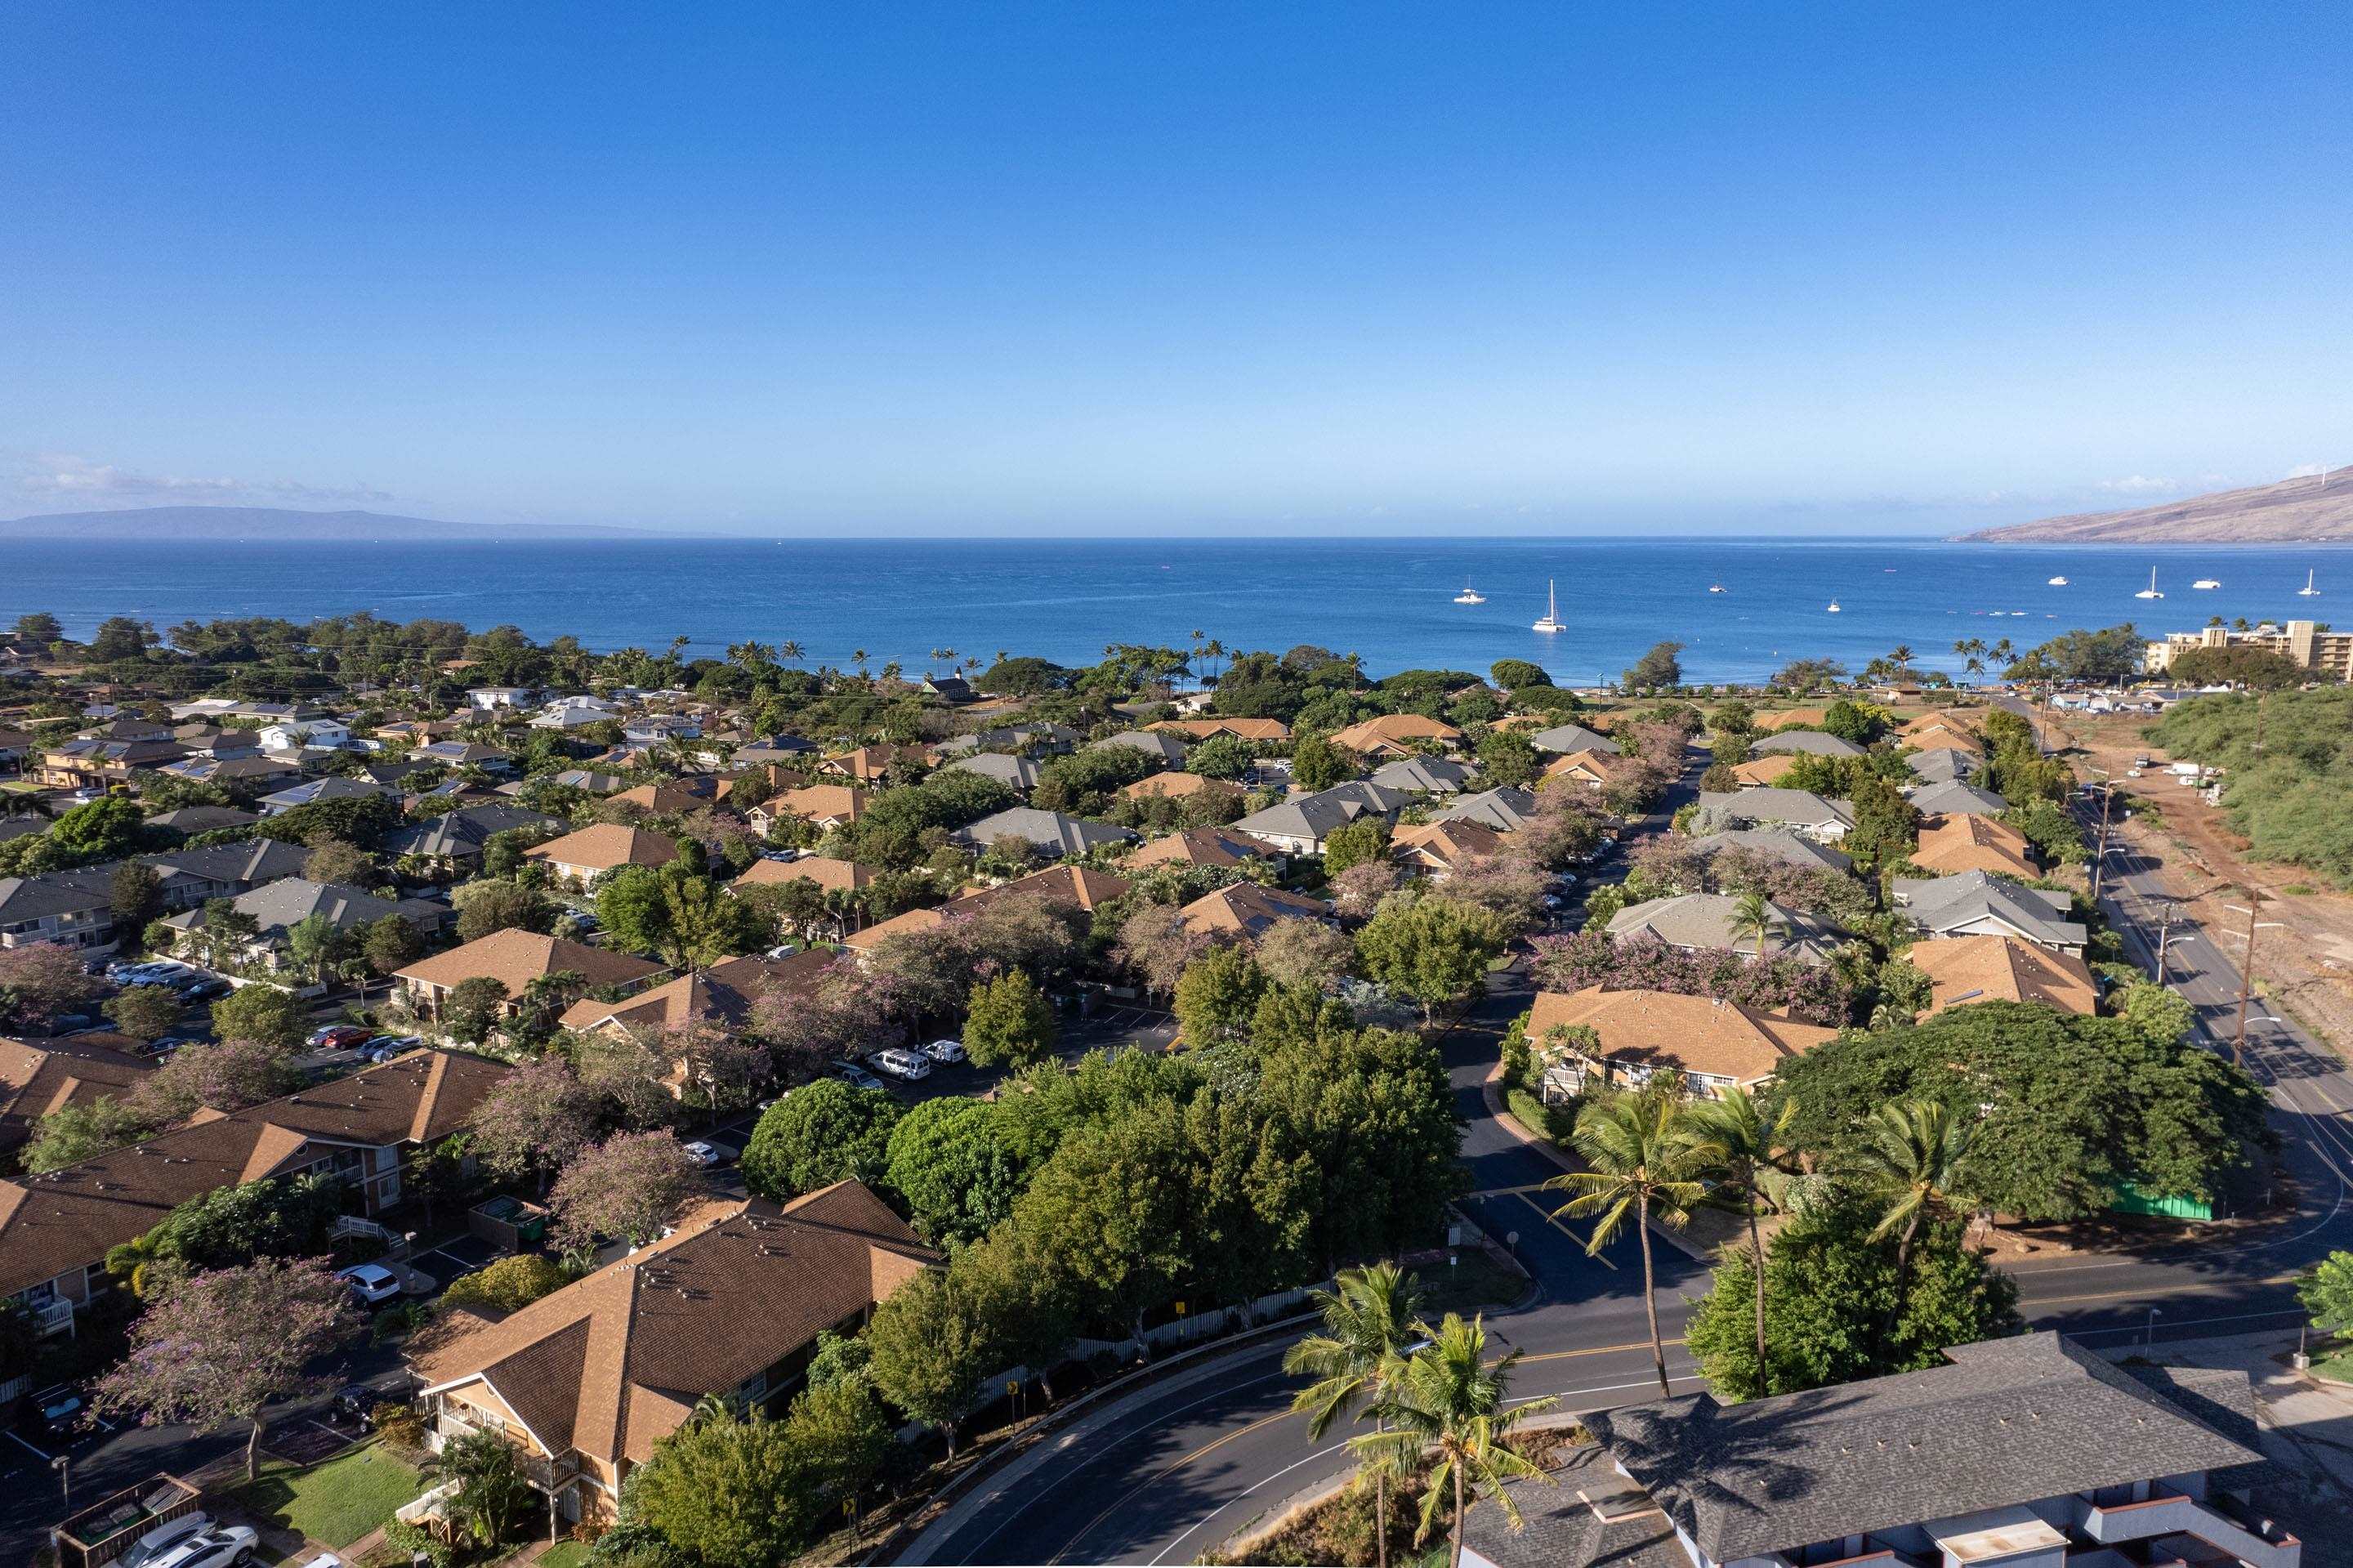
column 1388, row 601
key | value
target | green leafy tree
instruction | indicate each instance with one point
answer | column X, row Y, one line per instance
column 821, row 1133
column 930, row 1345
column 1221, row 756
column 76, row 1132
column 2327, row 1291
column 473, row 1008
column 1507, row 757
column 1008, row 1019
column 1858, row 724
column 1217, row 997
column 1511, row 675
column 1317, row 764
column 1887, row 829
column 144, row 1012
column 490, row 1500
column 1659, row 667
column 312, row 943
column 1643, row 1163
column 135, row 894
column 1359, row 842
column 390, row 943
column 729, row 1489
column 839, row 1427
column 1453, row 1411
column 100, row 830
column 492, row 904
column 953, row 1166
column 1433, row 950
column 1917, row 1153
column 263, row 1015
column 1368, row 1327
column 509, row 1284
column 1838, row 1307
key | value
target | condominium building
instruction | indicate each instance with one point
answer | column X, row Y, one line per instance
column 2306, row 642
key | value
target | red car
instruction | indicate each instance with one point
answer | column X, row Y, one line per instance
column 339, row 1037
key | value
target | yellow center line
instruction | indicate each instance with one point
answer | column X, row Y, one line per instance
column 1549, row 1218
column 1597, row 1351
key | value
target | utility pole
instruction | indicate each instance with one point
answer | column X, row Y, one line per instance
column 2247, row 970
column 2100, row 855
column 2164, row 935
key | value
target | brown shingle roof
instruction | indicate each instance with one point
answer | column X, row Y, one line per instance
column 37, row 1079
column 721, row 994
column 1178, row 785
column 52, row 1223
column 1686, row 1033
column 1250, row 729
column 1973, row 842
column 1195, row 846
column 832, row 875
column 1395, row 730
column 516, row 957
column 822, row 802
column 604, row 846
column 1444, row 845
column 1766, row 769
column 613, row 1364
column 1962, row 970
column 1244, row 908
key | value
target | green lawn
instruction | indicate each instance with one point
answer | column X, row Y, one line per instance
column 337, row 1502
column 2337, row 1364
column 564, row 1554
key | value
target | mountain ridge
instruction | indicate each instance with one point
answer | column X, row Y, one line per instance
column 2306, row 510
column 227, row 524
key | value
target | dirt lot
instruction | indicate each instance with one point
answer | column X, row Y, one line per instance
column 2306, row 964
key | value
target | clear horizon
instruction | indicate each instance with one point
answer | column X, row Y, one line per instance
column 1066, row 272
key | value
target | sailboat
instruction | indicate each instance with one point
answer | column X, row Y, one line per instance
column 1470, row 595
column 2307, row 590
column 1835, row 607
column 2150, row 591
column 1716, row 587
column 2207, row 583
column 2055, row 582
column 1551, row 621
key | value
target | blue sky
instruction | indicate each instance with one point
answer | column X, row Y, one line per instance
column 1112, row 268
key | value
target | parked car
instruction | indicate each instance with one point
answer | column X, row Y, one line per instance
column 207, row 990
column 338, row 1036
column 355, row 1402
column 704, row 1154
column 384, row 1047
column 899, row 1063
column 855, row 1076
column 946, row 1051
column 221, row 1546
column 370, row 1282
column 55, row 1413
column 143, row 1551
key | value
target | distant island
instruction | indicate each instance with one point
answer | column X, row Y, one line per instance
column 2307, row 510
column 219, row 524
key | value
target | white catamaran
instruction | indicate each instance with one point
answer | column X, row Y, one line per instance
column 1470, row 595
column 1551, row 621
column 2150, row 591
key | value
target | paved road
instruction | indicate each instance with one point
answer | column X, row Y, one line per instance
column 1165, row 1475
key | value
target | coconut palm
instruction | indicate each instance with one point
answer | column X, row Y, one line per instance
column 1451, row 1405
column 790, row 650
column 1747, row 1148
column 1368, row 1323
column 1752, row 917
column 1915, row 1150
column 1644, row 1165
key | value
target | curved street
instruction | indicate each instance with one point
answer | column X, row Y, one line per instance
column 1167, row 1473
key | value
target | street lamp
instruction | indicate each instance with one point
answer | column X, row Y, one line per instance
column 2148, row 1340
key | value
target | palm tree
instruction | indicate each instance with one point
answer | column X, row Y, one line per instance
column 1368, row 1324
column 1915, row 1151
column 791, row 649
column 1644, row 1165
column 857, row 657
column 1972, row 652
column 1901, row 656
column 2003, row 654
column 1752, row 917
column 1748, row 1147
column 1451, row 1404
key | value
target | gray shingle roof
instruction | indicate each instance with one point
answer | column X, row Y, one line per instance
column 2008, row 1422
column 1167, row 748
column 1956, row 799
column 1812, row 742
column 1503, row 809
column 1572, row 738
column 1802, row 806
column 1946, row 904
column 1589, row 1517
column 1779, row 843
column 1421, row 775
column 1315, row 816
column 1706, row 920
column 460, row 834
column 1018, row 773
column 1941, row 765
column 1050, row 830
column 281, row 903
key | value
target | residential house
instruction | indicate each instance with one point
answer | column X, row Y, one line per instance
column 56, row 1228
column 242, row 776
column 1299, row 826
column 76, row 908
column 1804, row 742
column 1971, row 842
column 1015, row 771
column 1942, row 765
column 1246, row 909
column 318, row 790
column 873, row 764
column 1196, row 846
column 590, row 782
column 35, row 1080
column 819, row 805
column 277, row 907
column 190, row 820
column 1972, row 903
column 1397, row 735
column 1031, row 737
column 1257, row 731
column 1709, row 1045
column 1159, row 745
column 1800, row 811
column 1504, row 809
column 455, row 840
column 575, row 713
column 586, row 1380
column 659, row 729
column 1566, row 739
column 1080, row 887
column 1762, row 772
column 1793, row 718
column 294, row 735
column 515, row 957
column 1592, row 769
column 2030, row 1452
column 1709, row 922
column 465, row 753
column 1934, row 731
column 1963, row 969
column 1957, row 800
column 1180, row 787
column 1049, row 833
column 671, row 796
column 1438, row 850
column 721, row 997
column 830, row 875
column 1779, row 843
column 102, row 764
column 954, row 691
column 581, row 856
column 1423, row 776
column 499, row 699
